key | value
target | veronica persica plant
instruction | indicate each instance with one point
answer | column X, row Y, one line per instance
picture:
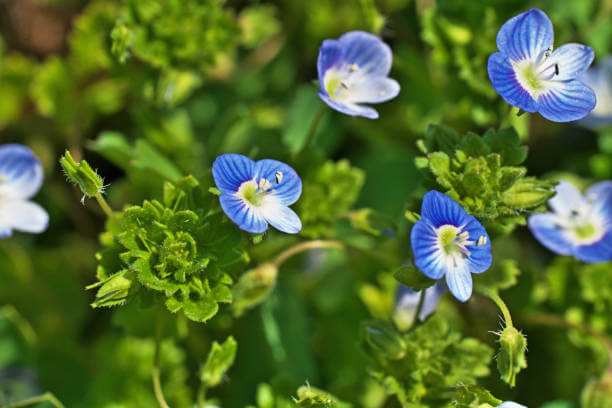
column 579, row 225
column 528, row 74
column 255, row 194
column 353, row 69
column 21, row 176
column 449, row 242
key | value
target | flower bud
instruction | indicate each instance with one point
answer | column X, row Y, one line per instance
column 383, row 340
column 597, row 393
column 527, row 193
column 253, row 287
column 82, row 175
column 511, row 357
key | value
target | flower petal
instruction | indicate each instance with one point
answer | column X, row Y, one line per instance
column 572, row 60
column 459, row 281
column 566, row 200
column 480, row 258
column 331, row 53
column 231, row 170
column 290, row 187
column 349, row 108
column 427, row 254
column 242, row 214
column 566, row 101
column 22, row 215
column 439, row 209
column 600, row 194
column 280, row 217
column 525, row 36
column 21, row 174
column 369, row 52
column 407, row 300
column 510, row 404
column 545, row 228
column 374, row 90
column 503, row 79
column 600, row 251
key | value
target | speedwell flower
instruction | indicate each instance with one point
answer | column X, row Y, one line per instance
column 255, row 194
column 21, row 176
column 599, row 78
column 579, row 225
column 353, row 69
column 447, row 241
column 528, row 74
column 407, row 302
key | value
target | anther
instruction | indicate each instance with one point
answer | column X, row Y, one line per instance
column 279, row 177
column 482, row 240
column 353, row 67
column 556, row 69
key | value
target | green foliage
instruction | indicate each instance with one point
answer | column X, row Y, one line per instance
column 511, row 356
column 81, row 174
column 597, row 393
column 502, row 275
column 182, row 248
column 327, row 195
column 436, row 360
column 469, row 396
column 413, row 278
column 220, row 359
column 253, row 287
column 481, row 174
column 312, row 397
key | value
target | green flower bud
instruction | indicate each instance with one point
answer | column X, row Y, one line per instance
column 82, row 175
column 383, row 340
column 511, row 357
column 253, row 287
column 597, row 393
column 528, row 193
column 115, row 290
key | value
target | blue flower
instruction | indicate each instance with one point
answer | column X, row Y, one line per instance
column 528, row 74
column 352, row 70
column 407, row 302
column 579, row 225
column 255, row 194
column 447, row 241
column 599, row 78
column 21, row 176
column 510, row 404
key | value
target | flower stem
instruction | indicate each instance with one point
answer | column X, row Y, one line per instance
column 420, row 306
column 304, row 246
column 502, row 306
column 313, row 128
column 104, row 205
column 505, row 122
column 47, row 396
column 157, row 389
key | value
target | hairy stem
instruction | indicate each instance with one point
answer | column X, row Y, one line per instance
column 304, row 246
column 502, row 306
column 157, row 389
column 313, row 127
column 47, row 396
column 104, row 205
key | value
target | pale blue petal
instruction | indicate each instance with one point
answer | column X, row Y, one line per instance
column 242, row 214
column 525, row 36
column 231, row 170
column 545, row 228
column 510, row 404
column 480, row 258
column 22, row 215
column 600, row 251
column 374, row 90
column 331, row 53
column 370, row 53
column 566, row 101
column 601, row 196
column 290, row 187
column 5, row 232
column 459, row 281
column 21, row 173
column 281, row 217
column 572, row 60
column 503, row 79
column 567, row 199
column 349, row 108
column 427, row 255
column 407, row 300
column 439, row 209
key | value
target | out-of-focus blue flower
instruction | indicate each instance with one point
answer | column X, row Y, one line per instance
column 599, row 78
column 528, row 74
column 407, row 302
column 447, row 241
column 21, row 176
column 353, row 69
column 510, row 404
column 255, row 194
column 579, row 225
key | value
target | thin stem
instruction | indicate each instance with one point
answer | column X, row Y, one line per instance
column 304, row 246
column 104, row 205
column 157, row 388
column 313, row 127
column 506, row 119
column 47, row 396
column 420, row 306
column 502, row 306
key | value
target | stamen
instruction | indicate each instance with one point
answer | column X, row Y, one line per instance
column 556, row 69
column 463, row 236
column 482, row 240
column 344, row 85
column 279, row 177
column 264, row 184
column 353, row 67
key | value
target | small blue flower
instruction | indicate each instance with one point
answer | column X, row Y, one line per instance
column 447, row 241
column 254, row 194
column 21, row 176
column 599, row 78
column 528, row 74
column 510, row 404
column 407, row 302
column 352, row 70
column 579, row 225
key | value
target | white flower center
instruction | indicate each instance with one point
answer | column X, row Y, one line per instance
column 254, row 192
column 338, row 82
column 453, row 242
column 534, row 75
column 584, row 225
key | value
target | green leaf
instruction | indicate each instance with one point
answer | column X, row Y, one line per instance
column 311, row 397
column 304, row 109
column 220, row 359
column 413, row 278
